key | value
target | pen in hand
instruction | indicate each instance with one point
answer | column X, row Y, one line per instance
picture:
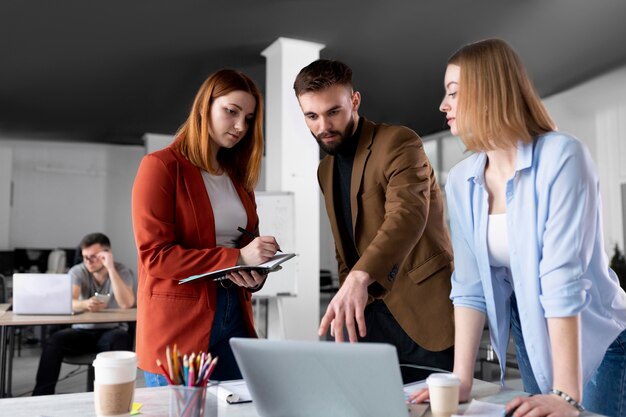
column 251, row 235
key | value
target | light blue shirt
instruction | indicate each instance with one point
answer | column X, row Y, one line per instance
column 558, row 264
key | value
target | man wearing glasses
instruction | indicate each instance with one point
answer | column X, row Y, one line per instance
column 98, row 283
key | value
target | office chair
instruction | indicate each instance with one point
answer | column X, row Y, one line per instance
column 80, row 360
column 86, row 359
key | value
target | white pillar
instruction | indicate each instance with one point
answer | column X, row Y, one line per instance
column 292, row 156
column 6, row 198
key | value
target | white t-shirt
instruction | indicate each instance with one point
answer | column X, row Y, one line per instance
column 498, row 241
column 227, row 207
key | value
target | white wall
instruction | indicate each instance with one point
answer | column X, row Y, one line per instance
column 122, row 162
column 595, row 112
column 156, row 141
column 63, row 191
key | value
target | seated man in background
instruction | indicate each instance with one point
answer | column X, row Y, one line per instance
column 98, row 273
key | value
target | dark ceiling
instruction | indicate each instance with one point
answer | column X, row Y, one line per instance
column 109, row 71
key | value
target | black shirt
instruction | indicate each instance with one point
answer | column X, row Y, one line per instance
column 344, row 160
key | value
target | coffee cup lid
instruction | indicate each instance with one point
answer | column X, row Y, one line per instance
column 443, row 380
column 115, row 358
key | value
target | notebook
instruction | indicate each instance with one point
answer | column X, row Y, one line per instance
column 42, row 294
column 272, row 265
column 302, row 379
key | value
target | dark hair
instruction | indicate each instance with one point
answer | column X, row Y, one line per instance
column 243, row 161
column 93, row 239
column 321, row 74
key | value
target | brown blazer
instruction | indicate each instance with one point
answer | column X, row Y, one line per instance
column 175, row 236
column 400, row 232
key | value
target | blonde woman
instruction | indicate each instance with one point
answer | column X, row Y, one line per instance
column 525, row 216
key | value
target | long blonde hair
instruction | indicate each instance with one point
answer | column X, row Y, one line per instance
column 498, row 104
column 243, row 161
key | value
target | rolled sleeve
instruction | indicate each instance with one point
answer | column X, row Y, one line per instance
column 568, row 301
column 569, row 234
column 467, row 289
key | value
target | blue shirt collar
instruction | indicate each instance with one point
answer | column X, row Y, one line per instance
column 524, row 161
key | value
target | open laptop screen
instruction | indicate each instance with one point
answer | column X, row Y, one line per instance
column 42, row 294
column 297, row 379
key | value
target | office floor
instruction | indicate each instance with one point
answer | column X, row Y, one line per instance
column 74, row 378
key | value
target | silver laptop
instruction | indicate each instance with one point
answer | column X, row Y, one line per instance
column 42, row 294
column 298, row 379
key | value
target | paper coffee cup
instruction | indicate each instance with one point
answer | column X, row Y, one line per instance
column 444, row 393
column 114, row 385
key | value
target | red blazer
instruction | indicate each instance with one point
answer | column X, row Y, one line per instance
column 175, row 237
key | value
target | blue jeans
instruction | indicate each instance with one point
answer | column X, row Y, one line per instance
column 526, row 372
column 605, row 393
column 154, row 380
column 228, row 322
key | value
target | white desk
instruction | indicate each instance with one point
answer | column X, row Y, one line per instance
column 155, row 403
column 9, row 321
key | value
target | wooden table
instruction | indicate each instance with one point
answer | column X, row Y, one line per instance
column 9, row 321
column 156, row 400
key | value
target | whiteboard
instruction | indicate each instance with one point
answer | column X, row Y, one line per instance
column 276, row 218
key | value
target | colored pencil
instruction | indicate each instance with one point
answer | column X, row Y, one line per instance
column 165, row 374
column 175, row 363
column 191, row 382
column 170, row 366
column 185, row 369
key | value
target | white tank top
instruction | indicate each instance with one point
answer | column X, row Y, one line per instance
column 227, row 207
column 498, row 241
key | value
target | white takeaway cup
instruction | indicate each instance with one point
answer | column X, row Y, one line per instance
column 114, row 384
column 444, row 393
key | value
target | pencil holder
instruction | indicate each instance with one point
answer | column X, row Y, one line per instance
column 191, row 402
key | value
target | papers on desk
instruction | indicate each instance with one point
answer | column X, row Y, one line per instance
column 482, row 409
column 234, row 392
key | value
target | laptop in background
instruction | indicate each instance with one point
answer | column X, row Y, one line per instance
column 301, row 379
column 42, row 294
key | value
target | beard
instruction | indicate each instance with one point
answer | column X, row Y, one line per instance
column 336, row 146
column 95, row 269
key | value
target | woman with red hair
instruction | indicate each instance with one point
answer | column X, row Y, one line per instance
column 188, row 201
